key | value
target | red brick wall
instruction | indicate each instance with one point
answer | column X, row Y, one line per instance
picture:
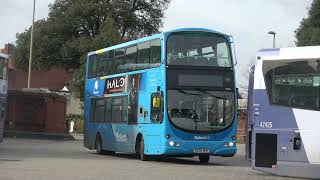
column 55, row 122
column 54, row 79
column 242, row 121
column 8, row 48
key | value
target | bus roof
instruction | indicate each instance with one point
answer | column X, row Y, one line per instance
column 152, row 37
column 293, row 53
column 4, row 56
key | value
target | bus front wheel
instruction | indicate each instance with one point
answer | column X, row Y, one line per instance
column 143, row 157
column 204, row 158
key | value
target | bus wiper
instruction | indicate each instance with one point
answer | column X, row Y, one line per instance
column 206, row 92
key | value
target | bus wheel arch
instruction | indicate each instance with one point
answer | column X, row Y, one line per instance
column 137, row 143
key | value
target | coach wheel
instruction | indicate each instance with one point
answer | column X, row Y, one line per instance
column 143, row 157
column 204, row 158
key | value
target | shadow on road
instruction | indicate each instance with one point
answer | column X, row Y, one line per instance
column 214, row 161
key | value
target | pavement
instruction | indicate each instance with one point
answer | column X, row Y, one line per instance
column 38, row 135
column 31, row 159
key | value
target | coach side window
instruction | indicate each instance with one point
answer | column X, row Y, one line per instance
column 293, row 84
column 155, row 59
column 143, row 55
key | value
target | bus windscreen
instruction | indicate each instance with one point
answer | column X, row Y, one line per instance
column 198, row 49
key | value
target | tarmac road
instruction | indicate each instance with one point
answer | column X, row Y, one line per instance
column 30, row 159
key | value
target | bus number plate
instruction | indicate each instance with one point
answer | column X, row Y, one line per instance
column 201, row 150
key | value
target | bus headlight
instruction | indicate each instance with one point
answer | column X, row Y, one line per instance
column 230, row 144
column 171, row 143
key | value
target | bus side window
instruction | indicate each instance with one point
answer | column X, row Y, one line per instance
column 124, row 117
column 93, row 104
column 119, row 60
column 131, row 59
column 156, row 107
column 108, row 110
column 104, row 63
column 100, row 65
column 155, row 59
column 143, row 55
column 92, row 66
column 116, row 109
column 110, row 64
column 99, row 109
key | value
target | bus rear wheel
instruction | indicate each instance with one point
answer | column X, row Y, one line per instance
column 143, row 157
column 98, row 145
column 99, row 149
column 204, row 158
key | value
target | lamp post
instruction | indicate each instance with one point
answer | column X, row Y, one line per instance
column 274, row 38
column 31, row 44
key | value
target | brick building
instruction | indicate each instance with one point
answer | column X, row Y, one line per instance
column 35, row 111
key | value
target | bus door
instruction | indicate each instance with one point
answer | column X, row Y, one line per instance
column 150, row 119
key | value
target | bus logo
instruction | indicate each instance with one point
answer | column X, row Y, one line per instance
column 115, row 85
column 96, row 87
column 201, row 137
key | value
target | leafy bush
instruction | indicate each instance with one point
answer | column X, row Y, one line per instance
column 78, row 120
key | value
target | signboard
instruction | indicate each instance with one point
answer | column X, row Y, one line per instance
column 116, row 85
column 297, row 80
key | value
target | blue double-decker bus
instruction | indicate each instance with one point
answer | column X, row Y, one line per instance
column 169, row 94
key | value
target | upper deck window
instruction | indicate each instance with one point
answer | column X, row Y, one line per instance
column 139, row 56
column 198, row 49
column 293, row 83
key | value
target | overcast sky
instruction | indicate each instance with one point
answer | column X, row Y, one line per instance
column 247, row 20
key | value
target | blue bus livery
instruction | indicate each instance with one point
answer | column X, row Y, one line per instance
column 283, row 112
column 168, row 94
column 3, row 91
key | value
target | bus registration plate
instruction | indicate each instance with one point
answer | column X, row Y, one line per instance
column 201, row 150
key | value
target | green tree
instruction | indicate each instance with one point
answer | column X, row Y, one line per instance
column 75, row 27
column 308, row 34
